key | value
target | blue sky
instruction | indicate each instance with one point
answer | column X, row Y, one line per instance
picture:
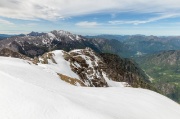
column 91, row 17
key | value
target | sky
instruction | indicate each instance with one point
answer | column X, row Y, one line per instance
column 91, row 17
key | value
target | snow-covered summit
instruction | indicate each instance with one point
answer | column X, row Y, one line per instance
column 65, row 35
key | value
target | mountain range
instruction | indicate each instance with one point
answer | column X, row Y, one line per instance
column 138, row 45
column 128, row 46
column 4, row 36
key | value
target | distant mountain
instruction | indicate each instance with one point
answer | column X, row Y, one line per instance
column 138, row 45
column 35, row 44
column 164, row 68
column 151, row 44
column 111, row 37
column 35, row 34
column 4, row 36
column 110, row 46
column 128, row 46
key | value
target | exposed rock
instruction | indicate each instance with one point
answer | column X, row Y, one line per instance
column 9, row 53
column 90, row 67
column 124, row 70
column 72, row 81
column 84, row 63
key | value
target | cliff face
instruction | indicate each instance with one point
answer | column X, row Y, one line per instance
column 121, row 69
column 9, row 53
column 87, row 66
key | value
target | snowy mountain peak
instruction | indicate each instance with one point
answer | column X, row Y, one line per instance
column 67, row 35
column 61, row 33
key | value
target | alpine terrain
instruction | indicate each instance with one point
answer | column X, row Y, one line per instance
column 61, row 75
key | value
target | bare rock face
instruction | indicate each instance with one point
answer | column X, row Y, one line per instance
column 124, row 70
column 85, row 63
column 44, row 58
column 72, row 81
column 9, row 53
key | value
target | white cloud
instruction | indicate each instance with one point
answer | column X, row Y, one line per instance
column 137, row 22
column 87, row 24
column 55, row 9
column 2, row 21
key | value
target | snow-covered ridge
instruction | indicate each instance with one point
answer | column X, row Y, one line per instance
column 82, row 64
column 29, row 91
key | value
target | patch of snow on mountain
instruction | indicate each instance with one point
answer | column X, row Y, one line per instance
column 62, row 65
column 112, row 83
column 77, row 37
column 52, row 36
column 71, row 38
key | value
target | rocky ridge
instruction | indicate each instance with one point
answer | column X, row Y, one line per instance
column 100, row 70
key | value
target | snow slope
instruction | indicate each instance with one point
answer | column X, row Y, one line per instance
column 61, row 66
column 29, row 91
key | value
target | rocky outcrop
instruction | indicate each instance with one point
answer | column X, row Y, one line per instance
column 9, row 53
column 44, row 58
column 95, row 69
column 87, row 65
column 72, row 81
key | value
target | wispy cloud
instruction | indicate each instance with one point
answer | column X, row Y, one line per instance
column 57, row 9
column 31, row 24
column 87, row 24
column 6, row 22
column 137, row 22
